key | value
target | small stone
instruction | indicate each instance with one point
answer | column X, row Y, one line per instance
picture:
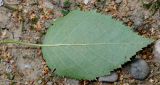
column 110, row 78
column 151, row 80
column 49, row 83
column 86, row 1
column 48, row 4
column 27, row 66
column 39, row 81
column 156, row 51
column 139, row 69
column 72, row 82
column 1, row 2
column 118, row 1
column 9, row 69
column 137, row 17
column 138, row 21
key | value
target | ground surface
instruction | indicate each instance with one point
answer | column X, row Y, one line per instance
column 28, row 20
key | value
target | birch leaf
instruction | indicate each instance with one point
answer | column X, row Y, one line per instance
column 89, row 45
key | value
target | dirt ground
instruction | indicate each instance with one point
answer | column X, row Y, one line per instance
column 28, row 20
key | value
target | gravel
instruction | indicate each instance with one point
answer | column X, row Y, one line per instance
column 139, row 69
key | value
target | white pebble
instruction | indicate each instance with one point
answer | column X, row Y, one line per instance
column 86, row 1
column 27, row 66
column 39, row 81
column 1, row 2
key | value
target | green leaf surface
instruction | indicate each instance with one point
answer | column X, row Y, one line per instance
column 89, row 45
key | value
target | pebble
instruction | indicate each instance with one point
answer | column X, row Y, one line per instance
column 39, row 81
column 71, row 82
column 118, row 1
column 156, row 51
column 110, row 78
column 49, row 83
column 1, row 2
column 139, row 69
column 138, row 21
column 9, row 68
column 86, row 1
column 137, row 17
column 48, row 4
column 27, row 66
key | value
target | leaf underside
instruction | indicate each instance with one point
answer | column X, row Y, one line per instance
column 92, row 45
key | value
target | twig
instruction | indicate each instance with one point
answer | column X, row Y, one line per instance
column 5, row 80
column 10, row 7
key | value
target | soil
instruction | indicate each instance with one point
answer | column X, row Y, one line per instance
column 28, row 20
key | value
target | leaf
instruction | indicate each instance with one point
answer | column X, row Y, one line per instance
column 89, row 45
